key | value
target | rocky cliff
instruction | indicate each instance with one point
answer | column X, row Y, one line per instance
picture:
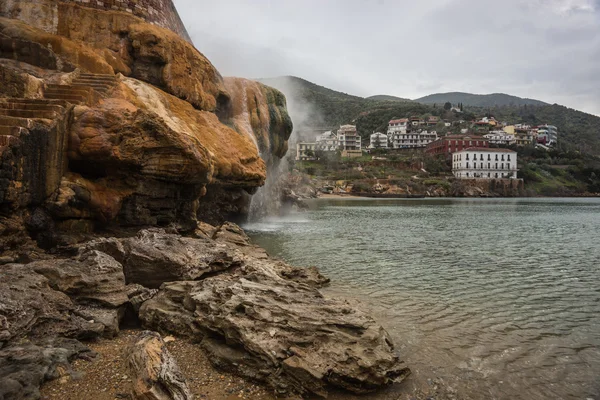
column 108, row 120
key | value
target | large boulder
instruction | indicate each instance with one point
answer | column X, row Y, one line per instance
column 268, row 324
column 92, row 277
column 155, row 256
column 154, row 372
column 29, row 307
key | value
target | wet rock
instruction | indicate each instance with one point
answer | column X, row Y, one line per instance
column 154, row 371
column 155, row 256
column 264, row 326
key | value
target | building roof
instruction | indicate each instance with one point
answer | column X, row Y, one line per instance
column 397, row 121
column 491, row 150
column 464, row 137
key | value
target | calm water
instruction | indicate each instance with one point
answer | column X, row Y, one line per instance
column 499, row 298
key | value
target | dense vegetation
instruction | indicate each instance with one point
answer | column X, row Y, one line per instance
column 479, row 100
column 326, row 108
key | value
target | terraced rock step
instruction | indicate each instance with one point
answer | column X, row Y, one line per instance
column 14, row 121
column 12, row 130
column 9, row 105
column 29, row 113
column 85, row 89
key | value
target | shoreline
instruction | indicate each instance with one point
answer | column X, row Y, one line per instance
column 350, row 196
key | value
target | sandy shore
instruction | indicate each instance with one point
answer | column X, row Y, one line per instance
column 107, row 376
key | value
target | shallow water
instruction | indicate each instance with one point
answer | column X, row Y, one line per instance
column 498, row 297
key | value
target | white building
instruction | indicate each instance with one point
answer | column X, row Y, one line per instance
column 547, row 135
column 485, row 163
column 378, row 141
column 412, row 140
column 397, row 126
column 328, row 141
column 306, row 151
column 500, row 138
column 350, row 142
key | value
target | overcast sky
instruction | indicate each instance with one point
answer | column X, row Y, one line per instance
column 543, row 49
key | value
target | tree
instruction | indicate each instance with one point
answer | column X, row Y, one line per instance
column 447, row 106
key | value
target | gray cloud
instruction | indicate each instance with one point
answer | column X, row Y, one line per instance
column 544, row 49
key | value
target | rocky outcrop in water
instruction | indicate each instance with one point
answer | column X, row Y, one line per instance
column 266, row 321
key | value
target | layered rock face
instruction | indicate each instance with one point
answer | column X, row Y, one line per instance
column 160, row 142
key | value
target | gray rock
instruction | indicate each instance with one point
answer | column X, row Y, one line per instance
column 265, row 326
column 138, row 294
column 30, row 307
column 154, row 372
column 91, row 277
column 24, row 367
column 155, row 256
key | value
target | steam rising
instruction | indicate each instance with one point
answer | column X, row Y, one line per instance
column 305, row 117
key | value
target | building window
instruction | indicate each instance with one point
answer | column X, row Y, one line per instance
column 467, row 165
column 502, row 166
column 509, row 157
column 489, row 157
column 488, row 165
column 467, row 156
column 481, row 166
column 481, row 157
column 496, row 174
column 502, row 157
column 496, row 159
column 489, row 175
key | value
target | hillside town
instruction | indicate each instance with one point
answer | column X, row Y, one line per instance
column 485, row 141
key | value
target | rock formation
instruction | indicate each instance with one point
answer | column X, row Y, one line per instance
column 110, row 120
column 155, row 373
column 160, row 142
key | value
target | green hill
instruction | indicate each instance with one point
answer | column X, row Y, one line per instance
column 386, row 97
column 478, row 100
column 325, row 108
column 321, row 106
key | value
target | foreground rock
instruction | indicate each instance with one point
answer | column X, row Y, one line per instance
column 24, row 367
column 154, row 371
column 266, row 325
column 155, row 256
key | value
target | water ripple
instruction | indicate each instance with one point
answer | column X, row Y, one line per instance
column 500, row 296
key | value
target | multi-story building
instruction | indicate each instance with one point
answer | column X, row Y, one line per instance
column 350, row 142
column 378, row 141
column 398, row 125
column 547, row 135
column 305, row 151
column 416, row 121
column 328, row 141
column 433, row 120
column 412, row 140
column 484, row 163
column 500, row 138
column 452, row 143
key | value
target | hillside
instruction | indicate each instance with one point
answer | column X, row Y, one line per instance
column 320, row 107
column 316, row 106
column 386, row 97
column 478, row 100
